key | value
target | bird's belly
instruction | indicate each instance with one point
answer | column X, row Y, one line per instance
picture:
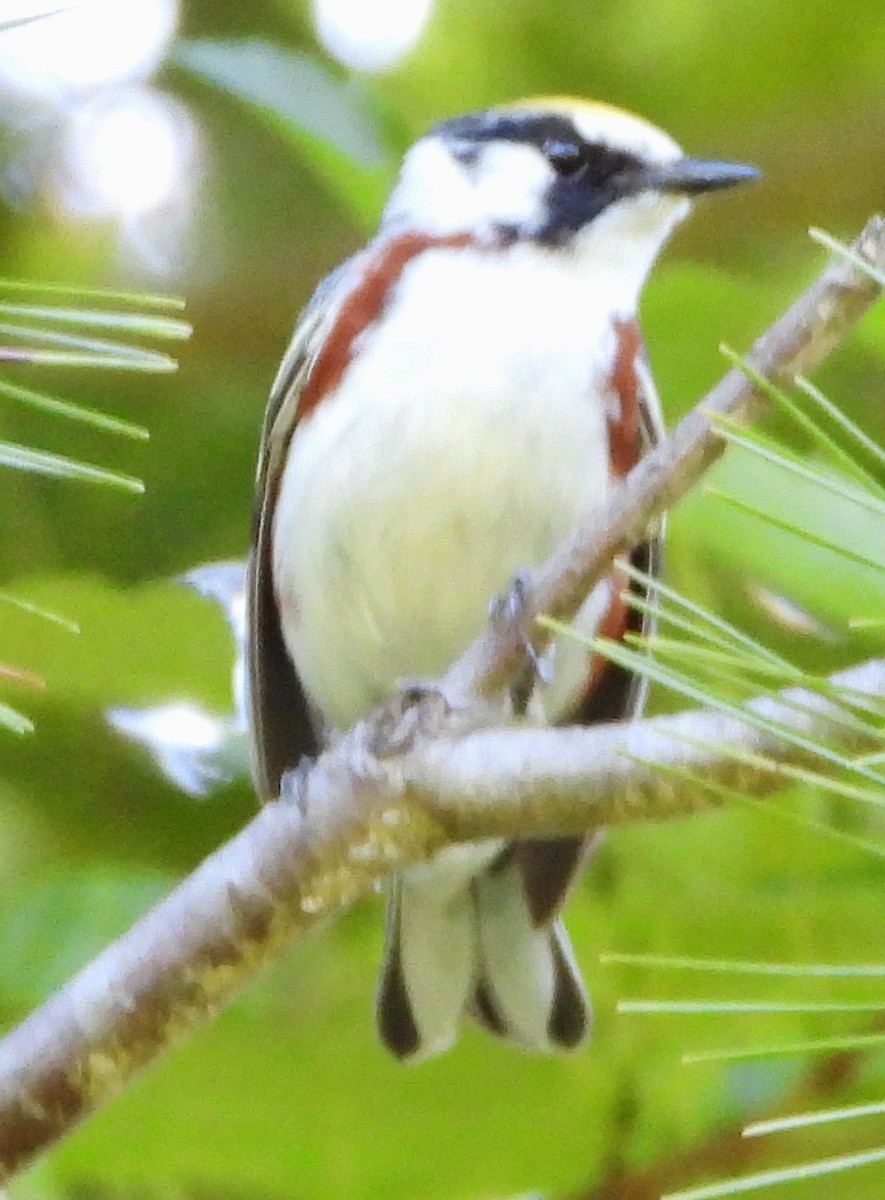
column 396, row 526
column 411, row 496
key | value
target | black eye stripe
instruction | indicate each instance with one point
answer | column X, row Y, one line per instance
column 566, row 158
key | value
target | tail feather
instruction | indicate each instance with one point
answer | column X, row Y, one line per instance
column 396, row 1023
column 476, row 949
column 528, row 985
column 571, row 1015
column 428, row 970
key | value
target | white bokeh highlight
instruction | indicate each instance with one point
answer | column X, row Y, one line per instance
column 126, row 153
column 370, row 35
column 90, row 43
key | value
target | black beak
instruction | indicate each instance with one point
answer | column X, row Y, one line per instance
column 691, row 175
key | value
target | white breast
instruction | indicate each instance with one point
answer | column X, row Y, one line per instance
column 465, row 439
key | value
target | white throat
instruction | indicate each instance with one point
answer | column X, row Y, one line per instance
column 617, row 250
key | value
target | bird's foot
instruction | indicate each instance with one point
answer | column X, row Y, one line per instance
column 293, row 785
column 512, row 611
column 417, row 709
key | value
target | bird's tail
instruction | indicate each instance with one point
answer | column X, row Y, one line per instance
column 477, row 951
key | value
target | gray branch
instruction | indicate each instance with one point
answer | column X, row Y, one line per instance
column 416, row 777
column 570, row 780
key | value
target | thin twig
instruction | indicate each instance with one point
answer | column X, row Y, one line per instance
column 565, row 781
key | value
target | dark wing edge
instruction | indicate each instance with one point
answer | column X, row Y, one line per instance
column 550, row 865
column 281, row 727
column 648, row 556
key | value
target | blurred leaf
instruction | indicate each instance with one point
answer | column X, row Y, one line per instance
column 10, row 718
column 745, row 566
column 52, row 928
column 802, row 569
column 136, row 645
column 328, row 120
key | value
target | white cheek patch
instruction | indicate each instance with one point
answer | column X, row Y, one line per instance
column 512, row 180
column 438, row 194
column 434, row 193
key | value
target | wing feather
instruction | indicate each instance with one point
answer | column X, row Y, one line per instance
column 282, row 727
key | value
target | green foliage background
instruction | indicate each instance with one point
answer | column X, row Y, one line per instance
column 288, row 1094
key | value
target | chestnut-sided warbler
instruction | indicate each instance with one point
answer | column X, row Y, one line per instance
column 456, row 398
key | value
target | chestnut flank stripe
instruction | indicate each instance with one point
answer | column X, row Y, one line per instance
column 623, row 431
column 363, row 306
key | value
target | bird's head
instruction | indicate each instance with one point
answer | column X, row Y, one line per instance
column 562, row 174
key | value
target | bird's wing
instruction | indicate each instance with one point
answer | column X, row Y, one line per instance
column 649, row 555
column 549, row 865
column 281, row 727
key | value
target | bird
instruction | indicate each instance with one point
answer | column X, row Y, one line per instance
column 456, row 399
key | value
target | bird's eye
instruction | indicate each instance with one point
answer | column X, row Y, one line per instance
column 566, row 158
